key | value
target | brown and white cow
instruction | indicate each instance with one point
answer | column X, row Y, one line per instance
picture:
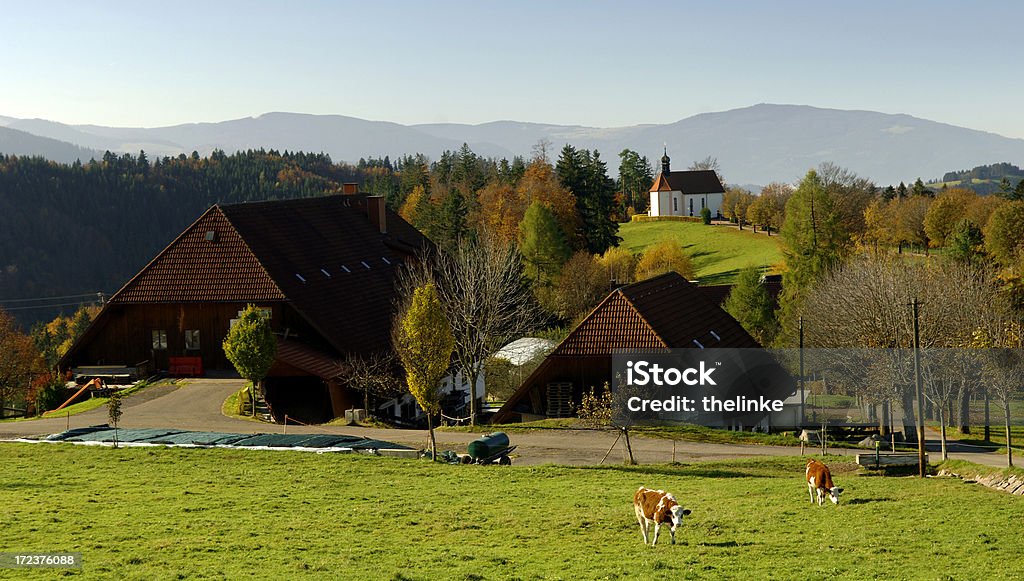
column 820, row 479
column 659, row 507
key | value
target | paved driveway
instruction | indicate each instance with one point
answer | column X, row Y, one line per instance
column 194, row 404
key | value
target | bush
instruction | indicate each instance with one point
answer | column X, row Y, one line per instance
column 646, row 218
column 665, row 256
column 50, row 395
column 705, row 215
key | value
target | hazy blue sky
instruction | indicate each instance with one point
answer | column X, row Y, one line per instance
column 597, row 63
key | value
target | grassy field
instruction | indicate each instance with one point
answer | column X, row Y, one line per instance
column 146, row 513
column 718, row 252
column 688, row 433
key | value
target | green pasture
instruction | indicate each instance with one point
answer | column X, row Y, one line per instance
column 156, row 513
column 719, row 252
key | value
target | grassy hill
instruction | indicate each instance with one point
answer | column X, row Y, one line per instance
column 156, row 513
column 718, row 252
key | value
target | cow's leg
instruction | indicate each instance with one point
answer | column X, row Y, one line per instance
column 657, row 528
column 810, row 490
column 673, row 531
column 643, row 524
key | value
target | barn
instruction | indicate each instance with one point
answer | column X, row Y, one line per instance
column 323, row 269
column 664, row 312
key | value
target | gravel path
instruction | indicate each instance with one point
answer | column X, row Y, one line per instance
column 194, row 404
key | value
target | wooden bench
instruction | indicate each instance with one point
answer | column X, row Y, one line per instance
column 185, row 366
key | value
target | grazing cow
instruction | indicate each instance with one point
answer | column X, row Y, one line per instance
column 820, row 479
column 659, row 507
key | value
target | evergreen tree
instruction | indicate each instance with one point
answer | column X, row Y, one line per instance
column 450, row 225
column 966, row 243
column 919, row 189
column 542, row 244
column 586, row 176
column 635, row 178
column 1018, row 191
column 750, row 304
column 814, row 242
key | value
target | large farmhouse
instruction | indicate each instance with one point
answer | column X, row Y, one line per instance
column 685, row 193
column 322, row 268
column 664, row 312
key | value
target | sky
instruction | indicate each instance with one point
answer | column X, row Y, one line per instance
column 599, row 63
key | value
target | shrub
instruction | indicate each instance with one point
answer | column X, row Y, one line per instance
column 646, row 218
column 50, row 395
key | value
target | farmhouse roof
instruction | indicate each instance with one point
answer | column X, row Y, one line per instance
column 666, row 311
column 688, row 182
column 326, row 256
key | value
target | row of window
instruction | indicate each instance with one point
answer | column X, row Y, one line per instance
column 191, row 339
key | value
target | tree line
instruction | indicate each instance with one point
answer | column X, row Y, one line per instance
column 855, row 258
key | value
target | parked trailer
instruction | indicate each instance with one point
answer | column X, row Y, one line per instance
column 491, row 448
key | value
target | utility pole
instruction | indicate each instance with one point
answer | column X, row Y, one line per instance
column 802, row 412
column 917, row 388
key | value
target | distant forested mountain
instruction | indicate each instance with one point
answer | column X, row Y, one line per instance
column 22, row 143
column 759, row 144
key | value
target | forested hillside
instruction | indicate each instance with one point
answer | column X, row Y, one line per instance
column 997, row 178
column 81, row 228
column 86, row 228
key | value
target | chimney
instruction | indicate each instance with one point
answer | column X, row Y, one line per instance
column 375, row 210
column 349, row 188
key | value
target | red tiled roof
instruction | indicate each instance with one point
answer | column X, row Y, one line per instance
column 666, row 311
column 680, row 313
column 194, row 269
column 615, row 324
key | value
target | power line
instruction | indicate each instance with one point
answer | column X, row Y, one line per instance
column 46, row 306
column 49, row 298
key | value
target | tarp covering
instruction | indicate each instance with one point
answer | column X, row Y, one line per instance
column 101, row 434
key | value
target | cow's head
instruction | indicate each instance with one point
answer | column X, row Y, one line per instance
column 678, row 513
column 833, row 494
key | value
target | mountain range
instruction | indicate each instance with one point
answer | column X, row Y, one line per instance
column 753, row 145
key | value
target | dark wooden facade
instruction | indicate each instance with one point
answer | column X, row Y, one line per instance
column 324, row 268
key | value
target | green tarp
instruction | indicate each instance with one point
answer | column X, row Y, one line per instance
column 180, row 437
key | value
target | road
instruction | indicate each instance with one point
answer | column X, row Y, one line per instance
column 194, row 404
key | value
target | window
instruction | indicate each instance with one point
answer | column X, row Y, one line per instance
column 675, row 204
column 192, row 339
column 159, row 339
column 691, row 206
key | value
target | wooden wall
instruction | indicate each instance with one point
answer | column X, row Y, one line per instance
column 123, row 333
